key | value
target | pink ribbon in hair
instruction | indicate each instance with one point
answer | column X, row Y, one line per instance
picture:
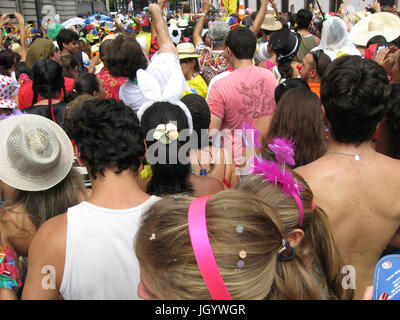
column 203, row 251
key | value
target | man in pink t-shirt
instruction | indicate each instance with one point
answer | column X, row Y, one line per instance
column 247, row 93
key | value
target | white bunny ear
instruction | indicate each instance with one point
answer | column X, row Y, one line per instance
column 173, row 90
column 148, row 85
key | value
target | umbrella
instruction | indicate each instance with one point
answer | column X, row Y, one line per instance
column 93, row 17
column 73, row 22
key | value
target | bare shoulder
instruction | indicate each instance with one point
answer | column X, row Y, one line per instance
column 204, row 186
column 388, row 172
column 50, row 237
column 388, row 164
column 307, row 170
column 47, row 250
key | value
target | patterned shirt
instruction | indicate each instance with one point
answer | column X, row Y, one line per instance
column 111, row 84
column 212, row 62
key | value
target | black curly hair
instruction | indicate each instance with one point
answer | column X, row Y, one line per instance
column 355, row 94
column 201, row 116
column 108, row 135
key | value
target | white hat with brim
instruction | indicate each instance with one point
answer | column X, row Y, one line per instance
column 378, row 24
column 270, row 23
column 35, row 153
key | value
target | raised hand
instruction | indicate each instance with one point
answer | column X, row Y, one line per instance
column 4, row 19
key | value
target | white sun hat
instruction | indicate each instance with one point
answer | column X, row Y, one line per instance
column 382, row 23
column 35, row 153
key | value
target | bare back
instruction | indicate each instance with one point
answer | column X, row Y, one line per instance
column 361, row 199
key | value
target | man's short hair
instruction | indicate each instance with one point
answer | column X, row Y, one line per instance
column 303, row 18
column 126, row 57
column 242, row 43
column 108, row 135
column 66, row 36
column 355, row 93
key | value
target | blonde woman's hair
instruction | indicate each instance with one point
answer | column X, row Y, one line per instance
column 43, row 205
column 317, row 249
column 163, row 248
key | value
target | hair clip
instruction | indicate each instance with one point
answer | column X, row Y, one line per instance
column 166, row 133
column 285, row 247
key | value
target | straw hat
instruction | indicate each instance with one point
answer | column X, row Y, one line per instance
column 36, row 154
column 382, row 23
column 270, row 23
column 183, row 24
column 6, row 92
column 186, row 50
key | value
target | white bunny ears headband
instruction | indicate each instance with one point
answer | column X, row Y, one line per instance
column 173, row 91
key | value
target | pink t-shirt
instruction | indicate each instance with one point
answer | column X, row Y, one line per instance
column 244, row 95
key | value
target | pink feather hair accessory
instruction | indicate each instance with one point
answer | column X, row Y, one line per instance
column 283, row 149
column 272, row 171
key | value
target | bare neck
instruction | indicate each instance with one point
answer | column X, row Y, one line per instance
column 335, row 146
column 303, row 32
column 117, row 191
column 239, row 63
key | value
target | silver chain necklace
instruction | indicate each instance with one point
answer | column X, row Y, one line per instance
column 356, row 156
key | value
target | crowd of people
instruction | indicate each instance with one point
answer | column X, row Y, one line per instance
column 212, row 155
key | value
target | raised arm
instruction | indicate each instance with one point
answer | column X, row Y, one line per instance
column 22, row 33
column 160, row 3
column 255, row 27
column 273, row 4
column 163, row 39
column 198, row 28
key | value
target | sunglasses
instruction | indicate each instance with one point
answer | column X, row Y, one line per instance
column 316, row 55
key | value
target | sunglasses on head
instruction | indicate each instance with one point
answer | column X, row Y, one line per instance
column 316, row 55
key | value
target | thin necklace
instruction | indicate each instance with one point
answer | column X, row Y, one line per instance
column 356, row 156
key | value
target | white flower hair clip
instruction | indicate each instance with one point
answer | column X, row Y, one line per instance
column 172, row 92
column 166, row 133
